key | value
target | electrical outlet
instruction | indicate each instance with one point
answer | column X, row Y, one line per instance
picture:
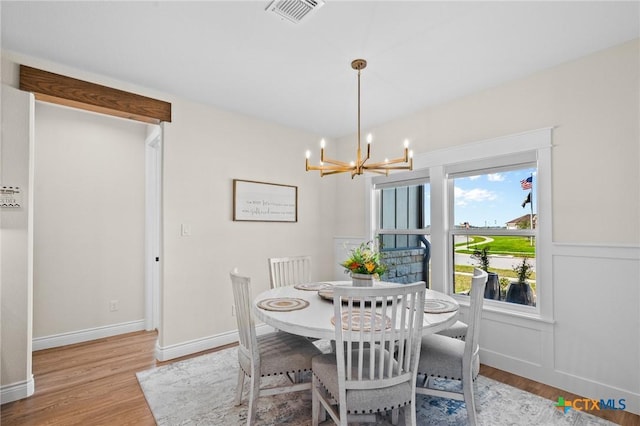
column 113, row 305
column 233, row 310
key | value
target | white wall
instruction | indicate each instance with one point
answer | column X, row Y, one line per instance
column 204, row 150
column 592, row 345
column 89, row 220
column 16, row 244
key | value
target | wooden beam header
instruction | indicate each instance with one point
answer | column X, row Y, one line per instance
column 59, row 89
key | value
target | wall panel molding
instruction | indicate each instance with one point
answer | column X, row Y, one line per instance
column 605, row 251
column 587, row 349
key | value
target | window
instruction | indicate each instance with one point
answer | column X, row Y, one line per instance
column 493, row 195
column 493, row 226
column 403, row 229
column 403, row 208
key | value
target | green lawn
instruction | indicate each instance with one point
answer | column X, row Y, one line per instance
column 507, row 273
column 512, row 245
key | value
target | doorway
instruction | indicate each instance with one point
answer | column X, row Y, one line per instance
column 92, row 214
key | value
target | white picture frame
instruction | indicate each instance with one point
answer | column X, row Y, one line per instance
column 264, row 202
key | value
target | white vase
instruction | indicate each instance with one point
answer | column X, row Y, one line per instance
column 362, row 280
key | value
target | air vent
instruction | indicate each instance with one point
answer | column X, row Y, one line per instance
column 294, row 10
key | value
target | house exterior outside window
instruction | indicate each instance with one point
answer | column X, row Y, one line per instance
column 404, row 233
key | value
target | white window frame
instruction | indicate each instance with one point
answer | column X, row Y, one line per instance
column 416, row 177
column 529, row 146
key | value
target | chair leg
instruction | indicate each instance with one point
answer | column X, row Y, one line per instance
column 254, row 393
column 394, row 416
column 315, row 403
column 239, row 387
column 469, row 400
column 410, row 414
column 343, row 415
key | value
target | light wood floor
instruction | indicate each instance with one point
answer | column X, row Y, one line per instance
column 94, row 383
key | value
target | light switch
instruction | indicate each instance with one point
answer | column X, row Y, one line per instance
column 185, row 230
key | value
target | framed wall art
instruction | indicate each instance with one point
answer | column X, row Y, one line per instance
column 264, row 202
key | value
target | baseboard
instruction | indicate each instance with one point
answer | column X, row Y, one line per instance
column 16, row 391
column 194, row 346
column 570, row 383
column 596, row 390
column 86, row 335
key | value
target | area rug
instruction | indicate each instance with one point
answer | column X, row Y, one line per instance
column 201, row 390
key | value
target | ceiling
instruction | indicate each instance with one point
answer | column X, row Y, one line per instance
column 236, row 56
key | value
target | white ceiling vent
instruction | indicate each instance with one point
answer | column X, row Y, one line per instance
column 294, row 10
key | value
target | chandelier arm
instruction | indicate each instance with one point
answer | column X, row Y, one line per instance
column 378, row 171
column 337, row 162
column 384, row 164
column 331, row 168
column 405, row 167
column 334, row 172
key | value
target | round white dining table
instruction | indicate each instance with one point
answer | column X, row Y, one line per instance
column 314, row 320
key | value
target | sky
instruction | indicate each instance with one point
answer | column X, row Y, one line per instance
column 492, row 199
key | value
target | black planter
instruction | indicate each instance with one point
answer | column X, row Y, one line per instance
column 520, row 293
column 492, row 290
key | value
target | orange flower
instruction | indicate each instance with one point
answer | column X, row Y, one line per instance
column 354, row 265
column 370, row 266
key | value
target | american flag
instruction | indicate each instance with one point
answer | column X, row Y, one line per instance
column 526, row 183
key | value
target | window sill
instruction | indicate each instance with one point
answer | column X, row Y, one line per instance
column 526, row 316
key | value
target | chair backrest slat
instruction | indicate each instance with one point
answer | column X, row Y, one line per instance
column 244, row 318
column 376, row 323
column 284, row 271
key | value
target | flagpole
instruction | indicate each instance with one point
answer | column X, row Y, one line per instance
column 531, row 198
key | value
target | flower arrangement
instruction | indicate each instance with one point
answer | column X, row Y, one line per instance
column 364, row 259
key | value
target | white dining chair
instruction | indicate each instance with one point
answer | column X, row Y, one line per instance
column 452, row 359
column 458, row 331
column 364, row 379
column 272, row 354
column 284, row 271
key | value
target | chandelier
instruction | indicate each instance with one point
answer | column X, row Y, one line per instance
column 359, row 166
